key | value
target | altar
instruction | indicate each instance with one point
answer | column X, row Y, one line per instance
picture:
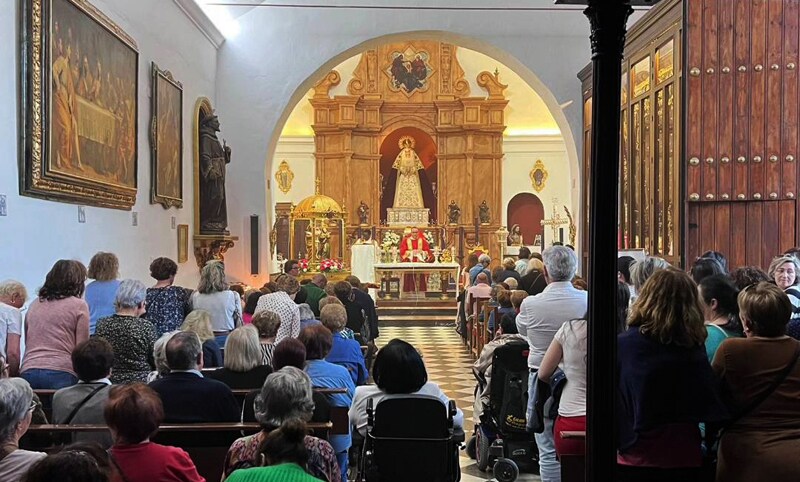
column 439, row 280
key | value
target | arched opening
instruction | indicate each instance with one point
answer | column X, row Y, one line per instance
column 426, row 150
column 527, row 211
column 345, row 62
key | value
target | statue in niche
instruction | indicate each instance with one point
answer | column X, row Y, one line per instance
column 309, row 241
column 408, row 193
column 323, row 243
column 453, row 212
column 363, row 213
column 483, row 213
column 514, row 237
column 213, row 159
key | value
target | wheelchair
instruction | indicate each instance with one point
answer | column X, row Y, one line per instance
column 501, row 440
column 410, row 438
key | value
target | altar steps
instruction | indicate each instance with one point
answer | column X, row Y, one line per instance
column 395, row 313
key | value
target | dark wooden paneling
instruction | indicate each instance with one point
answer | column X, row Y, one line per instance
column 787, row 222
column 789, row 144
column 774, row 76
column 770, row 243
column 708, row 224
column 753, row 234
column 726, row 71
column 692, row 231
column 738, row 255
column 722, row 239
column 741, row 40
column 694, row 93
column 758, row 33
column 711, row 99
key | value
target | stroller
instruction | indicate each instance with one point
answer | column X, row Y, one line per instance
column 501, row 440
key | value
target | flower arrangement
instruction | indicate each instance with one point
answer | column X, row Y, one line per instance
column 330, row 265
column 303, row 265
column 390, row 239
column 429, row 238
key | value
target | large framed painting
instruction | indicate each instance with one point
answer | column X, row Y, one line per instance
column 79, row 84
column 166, row 140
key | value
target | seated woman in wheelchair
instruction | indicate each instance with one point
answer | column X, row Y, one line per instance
column 482, row 368
column 398, row 369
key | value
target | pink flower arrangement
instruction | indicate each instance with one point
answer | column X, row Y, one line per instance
column 303, row 265
column 330, row 265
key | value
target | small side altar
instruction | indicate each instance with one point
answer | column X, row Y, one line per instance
column 417, row 281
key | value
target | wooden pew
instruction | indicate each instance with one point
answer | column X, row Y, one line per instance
column 206, row 443
column 573, row 467
column 46, row 396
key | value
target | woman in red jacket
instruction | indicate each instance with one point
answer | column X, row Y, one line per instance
column 133, row 413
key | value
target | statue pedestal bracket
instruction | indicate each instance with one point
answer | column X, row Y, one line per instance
column 210, row 246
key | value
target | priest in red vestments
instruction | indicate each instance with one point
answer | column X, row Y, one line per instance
column 414, row 248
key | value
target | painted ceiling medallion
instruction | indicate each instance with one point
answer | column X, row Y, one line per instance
column 538, row 176
column 284, row 177
column 409, row 71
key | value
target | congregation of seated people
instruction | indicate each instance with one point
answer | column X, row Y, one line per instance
column 707, row 367
column 128, row 358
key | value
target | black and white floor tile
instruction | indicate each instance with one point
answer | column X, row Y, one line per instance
column 449, row 365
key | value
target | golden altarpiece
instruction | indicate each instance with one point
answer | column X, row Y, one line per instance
column 317, row 230
column 412, row 89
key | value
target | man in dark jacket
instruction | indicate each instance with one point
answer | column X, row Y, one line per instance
column 187, row 396
column 362, row 297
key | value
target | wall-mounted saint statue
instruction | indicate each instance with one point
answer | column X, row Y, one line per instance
column 363, row 213
column 213, row 160
column 453, row 212
column 483, row 213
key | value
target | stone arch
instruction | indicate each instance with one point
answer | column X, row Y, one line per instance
column 469, row 42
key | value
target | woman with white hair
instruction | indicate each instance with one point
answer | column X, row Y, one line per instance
column 16, row 409
column 783, row 272
column 242, row 366
column 12, row 297
column 160, row 356
column 286, row 395
column 131, row 337
column 214, row 296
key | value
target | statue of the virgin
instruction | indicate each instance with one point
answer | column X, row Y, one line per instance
column 408, row 193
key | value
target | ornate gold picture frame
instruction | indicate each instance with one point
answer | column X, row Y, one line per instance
column 166, row 139
column 79, row 81
column 183, row 243
column 538, row 176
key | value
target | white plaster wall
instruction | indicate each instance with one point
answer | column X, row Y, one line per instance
column 270, row 65
column 36, row 232
column 521, row 153
column 298, row 152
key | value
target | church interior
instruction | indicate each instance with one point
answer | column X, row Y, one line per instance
column 582, row 194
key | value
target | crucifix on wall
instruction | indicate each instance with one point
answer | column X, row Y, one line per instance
column 555, row 221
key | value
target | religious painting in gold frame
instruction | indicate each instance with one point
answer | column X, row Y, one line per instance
column 166, row 139
column 79, row 82
column 183, row 243
column 640, row 77
column 665, row 61
column 538, row 176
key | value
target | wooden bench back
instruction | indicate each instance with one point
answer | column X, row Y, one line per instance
column 206, row 443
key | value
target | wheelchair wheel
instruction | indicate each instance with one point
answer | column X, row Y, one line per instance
column 471, row 447
column 505, row 470
column 482, row 450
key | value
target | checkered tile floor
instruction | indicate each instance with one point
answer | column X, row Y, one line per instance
column 449, row 365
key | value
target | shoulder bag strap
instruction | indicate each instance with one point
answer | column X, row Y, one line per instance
column 82, row 403
column 116, row 466
column 766, row 393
